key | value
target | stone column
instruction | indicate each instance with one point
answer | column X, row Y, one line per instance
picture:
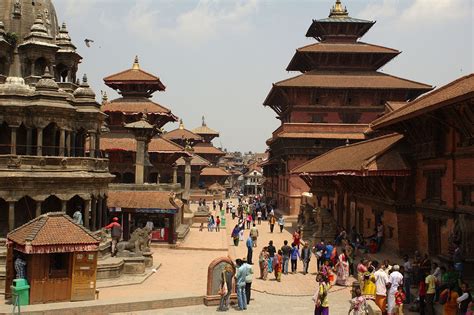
column 62, row 141
column 68, row 143
column 92, row 143
column 38, row 208
column 39, row 141
column 93, row 214
column 28, row 140
column 99, row 213
column 187, row 177
column 105, row 217
column 140, row 161
column 11, row 215
column 175, row 174
column 87, row 208
column 13, row 140
column 63, row 205
column 73, row 143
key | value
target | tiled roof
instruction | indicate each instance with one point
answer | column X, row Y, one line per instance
column 214, row 171
column 391, row 106
column 354, row 48
column 132, row 75
column 207, row 148
column 135, row 105
column 196, row 160
column 156, row 145
column 181, row 133
column 205, row 130
column 132, row 199
column 360, row 159
column 53, row 228
column 460, row 89
column 351, row 79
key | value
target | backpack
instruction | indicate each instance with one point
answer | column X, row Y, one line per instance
column 116, row 231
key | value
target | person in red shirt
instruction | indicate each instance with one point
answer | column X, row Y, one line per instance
column 116, row 233
column 218, row 224
column 399, row 299
column 422, row 295
column 297, row 238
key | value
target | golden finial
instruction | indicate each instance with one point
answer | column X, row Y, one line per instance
column 181, row 125
column 338, row 10
column 136, row 64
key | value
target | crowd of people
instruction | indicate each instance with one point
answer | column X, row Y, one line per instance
column 415, row 283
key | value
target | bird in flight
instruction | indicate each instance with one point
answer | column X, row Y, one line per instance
column 88, row 42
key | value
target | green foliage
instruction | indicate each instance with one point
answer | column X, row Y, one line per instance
column 11, row 38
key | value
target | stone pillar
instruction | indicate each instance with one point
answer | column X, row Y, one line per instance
column 140, row 161
column 28, row 140
column 13, row 140
column 63, row 205
column 175, row 174
column 68, row 143
column 86, row 213
column 99, row 213
column 39, row 141
column 187, row 177
column 62, row 141
column 97, row 144
column 105, row 217
column 73, row 143
column 11, row 215
column 92, row 143
column 38, row 208
column 93, row 214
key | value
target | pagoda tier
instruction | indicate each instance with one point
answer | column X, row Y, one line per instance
column 205, row 132
column 136, row 87
column 134, row 82
column 336, row 56
column 339, row 26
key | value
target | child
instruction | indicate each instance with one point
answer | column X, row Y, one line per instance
column 218, row 224
column 358, row 304
column 399, row 299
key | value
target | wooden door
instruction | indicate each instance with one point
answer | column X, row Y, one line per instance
column 84, row 276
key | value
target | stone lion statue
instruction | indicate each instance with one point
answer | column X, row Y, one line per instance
column 138, row 242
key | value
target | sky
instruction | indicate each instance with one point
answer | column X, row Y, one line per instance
column 219, row 58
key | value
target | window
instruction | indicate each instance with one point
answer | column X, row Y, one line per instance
column 349, row 118
column 433, row 186
column 59, row 265
column 317, row 118
column 466, row 195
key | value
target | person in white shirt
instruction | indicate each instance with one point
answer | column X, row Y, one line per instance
column 407, row 278
column 395, row 279
column 381, row 283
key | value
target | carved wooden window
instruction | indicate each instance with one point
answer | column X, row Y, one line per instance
column 433, row 186
column 317, row 118
column 466, row 195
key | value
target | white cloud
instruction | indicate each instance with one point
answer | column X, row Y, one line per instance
column 418, row 12
column 207, row 20
column 429, row 10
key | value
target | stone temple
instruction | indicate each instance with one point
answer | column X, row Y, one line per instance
column 46, row 118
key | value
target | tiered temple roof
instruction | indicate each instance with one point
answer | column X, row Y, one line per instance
column 205, row 132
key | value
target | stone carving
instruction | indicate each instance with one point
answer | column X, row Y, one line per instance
column 17, row 8
column 318, row 224
column 42, row 162
column 214, row 275
column 14, row 162
column 137, row 244
column 64, row 163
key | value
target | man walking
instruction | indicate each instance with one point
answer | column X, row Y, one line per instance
column 271, row 254
column 240, row 276
column 254, row 234
column 285, row 250
column 281, row 223
column 249, row 249
column 248, row 280
column 395, row 279
column 272, row 222
column 116, row 233
column 305, row 257
column 381, row 283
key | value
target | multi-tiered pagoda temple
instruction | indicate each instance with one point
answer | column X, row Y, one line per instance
column 338, row 92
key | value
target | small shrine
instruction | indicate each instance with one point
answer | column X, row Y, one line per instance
column 60, row 257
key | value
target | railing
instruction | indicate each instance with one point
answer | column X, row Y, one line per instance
column 41, row 163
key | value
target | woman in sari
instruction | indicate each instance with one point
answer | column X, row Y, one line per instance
column 342, row 268
column 369, row 284
column 278, row 265
column 263, row 263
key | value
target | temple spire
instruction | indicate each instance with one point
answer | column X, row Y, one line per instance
column 181, row 124
column 203, row 121
column 136, row 64
column 338, row 10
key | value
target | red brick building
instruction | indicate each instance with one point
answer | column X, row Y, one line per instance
column 418, row 179
column 331, row 103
